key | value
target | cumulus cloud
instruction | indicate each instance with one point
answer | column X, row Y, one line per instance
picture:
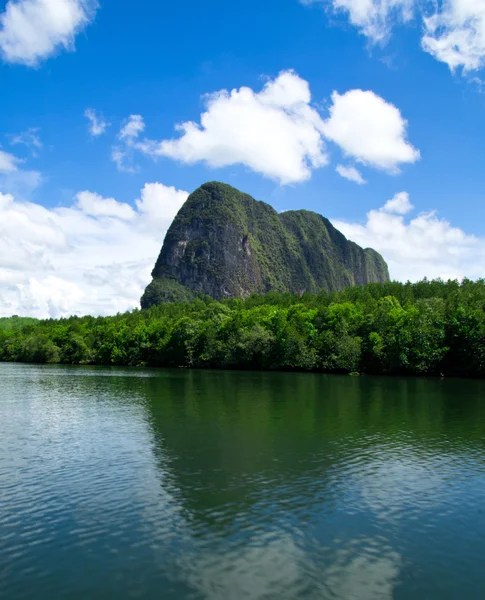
column 96, row 206
column 421, row 246
column 8, row 162
column 122, row 152
column 350, row 173
column 399, row 204
column 278, row 133
column 158, row 201
column 97, row 123
column 454, row 30
column 370, row 130
column 33, row 30
column 275, row 132
column 94, row 256
column 455, row 34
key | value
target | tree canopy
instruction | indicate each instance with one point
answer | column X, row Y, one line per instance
column 430, row 327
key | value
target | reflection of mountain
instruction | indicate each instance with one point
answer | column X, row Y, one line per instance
column 234, row 445
column 307, row 485
column 235, row 440
column 244, row 441
column 187, row 484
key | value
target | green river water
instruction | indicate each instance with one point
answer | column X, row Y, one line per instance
column 121, row 483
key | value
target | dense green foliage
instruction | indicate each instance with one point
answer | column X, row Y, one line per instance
column 167, row 290
column 430, row 327
column 225, row 244
column 15, row 322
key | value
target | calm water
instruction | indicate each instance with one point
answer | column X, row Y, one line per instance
column 118, row 483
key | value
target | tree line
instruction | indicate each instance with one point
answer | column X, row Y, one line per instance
column 426, row 328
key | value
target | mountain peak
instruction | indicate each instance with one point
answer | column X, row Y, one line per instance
column 224, row 243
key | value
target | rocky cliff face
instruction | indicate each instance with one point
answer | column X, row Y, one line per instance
column 225, row 244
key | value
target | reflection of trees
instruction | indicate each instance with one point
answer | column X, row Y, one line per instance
column 262, row 462
column 260, row 485
column 256, row 444
column 237, row 440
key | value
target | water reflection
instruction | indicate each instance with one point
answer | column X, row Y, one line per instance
column 123, row 483
column 371, row 573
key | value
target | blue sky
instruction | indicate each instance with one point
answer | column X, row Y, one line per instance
column 297, row 103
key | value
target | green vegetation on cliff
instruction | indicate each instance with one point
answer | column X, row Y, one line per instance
column 225, row 244
column 391, row 328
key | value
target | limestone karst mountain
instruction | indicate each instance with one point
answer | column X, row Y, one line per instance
column 225, row 244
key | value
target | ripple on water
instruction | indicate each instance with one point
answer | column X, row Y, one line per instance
column 117, row 483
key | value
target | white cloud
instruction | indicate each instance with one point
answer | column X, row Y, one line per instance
column 33, row 30
column 132, row 128
column 8, row 162
column 275, row 132
column 92, row 257
column 370, row 130
column 118, row 156
column 454, row 30
column 96, row 206
column 399, row 204
column 374, row 18
column 20, row 183
column 278, row 133
column 417, row 247
column 29, row 138
column 350, row 173
column 456, row 34
column 160, row 202
column 122, row 153
column 97, row 123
